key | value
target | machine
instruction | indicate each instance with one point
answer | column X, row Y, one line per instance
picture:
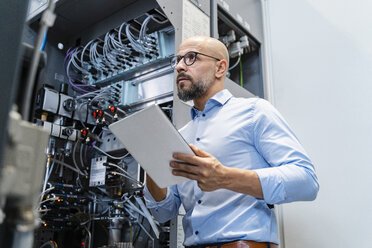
column 84, row 65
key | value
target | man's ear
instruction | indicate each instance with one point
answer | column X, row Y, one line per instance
column 221, row 68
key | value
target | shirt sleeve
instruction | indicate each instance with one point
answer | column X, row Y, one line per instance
column 291, row 175
column 165, row 209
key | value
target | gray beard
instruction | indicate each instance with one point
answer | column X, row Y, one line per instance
column 195, row 91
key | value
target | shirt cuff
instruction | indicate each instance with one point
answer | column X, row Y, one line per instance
column 152, row 203
column 272, row 186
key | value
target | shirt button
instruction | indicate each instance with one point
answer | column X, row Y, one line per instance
column 199, row 201
column 197, row 139
column 196, row 233
column 203, row 115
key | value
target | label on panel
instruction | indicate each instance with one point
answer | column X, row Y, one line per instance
column 97, row 171
column 194, row 21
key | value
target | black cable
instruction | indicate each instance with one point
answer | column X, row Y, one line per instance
column 49, row 243
column 138, row 232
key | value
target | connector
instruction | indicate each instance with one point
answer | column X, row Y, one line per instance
column 228, row 38
column 235, row 50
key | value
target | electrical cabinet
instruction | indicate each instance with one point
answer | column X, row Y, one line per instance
column 104, row 61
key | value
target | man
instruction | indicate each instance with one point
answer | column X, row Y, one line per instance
column 246, row 158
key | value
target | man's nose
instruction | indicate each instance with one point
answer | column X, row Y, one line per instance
column 181, row 66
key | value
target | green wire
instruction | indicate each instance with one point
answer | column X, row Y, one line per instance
column 241, row 73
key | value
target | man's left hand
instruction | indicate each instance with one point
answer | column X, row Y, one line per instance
column 202, row 167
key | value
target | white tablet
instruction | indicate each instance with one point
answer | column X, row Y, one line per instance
column 152, row 139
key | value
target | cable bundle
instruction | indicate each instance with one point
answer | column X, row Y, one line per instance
column 119, row 50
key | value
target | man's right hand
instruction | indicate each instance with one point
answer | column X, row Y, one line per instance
column 157, row 193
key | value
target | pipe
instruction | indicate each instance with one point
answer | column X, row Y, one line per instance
column 212, row 18
column 47, row 20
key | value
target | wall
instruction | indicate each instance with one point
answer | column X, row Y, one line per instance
column 322, row 84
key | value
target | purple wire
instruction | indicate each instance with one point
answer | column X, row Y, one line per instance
column 76, row 87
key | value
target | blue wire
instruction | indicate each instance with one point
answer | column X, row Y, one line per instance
column 44, row 41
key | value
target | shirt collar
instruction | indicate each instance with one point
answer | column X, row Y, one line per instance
column 219, row 99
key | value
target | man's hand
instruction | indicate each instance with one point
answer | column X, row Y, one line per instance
column 211, row 174
column 202, row 167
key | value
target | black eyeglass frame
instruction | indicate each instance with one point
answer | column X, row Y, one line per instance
column 178, row 58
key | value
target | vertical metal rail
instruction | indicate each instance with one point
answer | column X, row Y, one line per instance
column 12, row 18
column 47, row 20
column 212, row 18
column 269, row 94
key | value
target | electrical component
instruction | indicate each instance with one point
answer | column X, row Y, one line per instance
column 119, row 52
column 89, row 176
column 240, row 47
column 47, row 99
column 235, row 50
column 228, row 38
column 59, row 131
column 97, row 171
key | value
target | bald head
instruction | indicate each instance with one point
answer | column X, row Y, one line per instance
column 208, row 45
column 200, row 77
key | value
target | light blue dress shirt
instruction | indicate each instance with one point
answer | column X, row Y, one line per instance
column 248, row 134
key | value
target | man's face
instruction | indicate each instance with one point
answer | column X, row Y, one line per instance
column 194, row 81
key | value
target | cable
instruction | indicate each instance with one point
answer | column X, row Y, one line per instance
column 119, row 33
column 69, row 166
column 82, row 53
column 46, row 175
column 50, row 170
column 47, row 190
column 241, row 73
column 79, row 112
column 47, row 20
column 74, row 159
column 50, row 243
column 131, row 234
column 81, row 156
column 44, row 41
column 117, row 166
column 49, row 199
column 138, row 231
column 73, row 57
column 236, row 63
column 107, row 51
column 136, row 221
column 158, row 21
column 44, row 210
column 74, row 86
column 148, row 216
column 133, row 40
column 108, row 155
column 126, row 176
column 88, row 94
column 89, row 237
column 95, row 57
column 143, row 28
column 106, row 92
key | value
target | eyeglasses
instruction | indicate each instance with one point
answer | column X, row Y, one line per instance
column 189, row 58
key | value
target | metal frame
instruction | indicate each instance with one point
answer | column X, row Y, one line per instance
column 13, row 16
column 174, row 11
column 181, row 110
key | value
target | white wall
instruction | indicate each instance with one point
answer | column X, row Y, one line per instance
column 322, row 83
